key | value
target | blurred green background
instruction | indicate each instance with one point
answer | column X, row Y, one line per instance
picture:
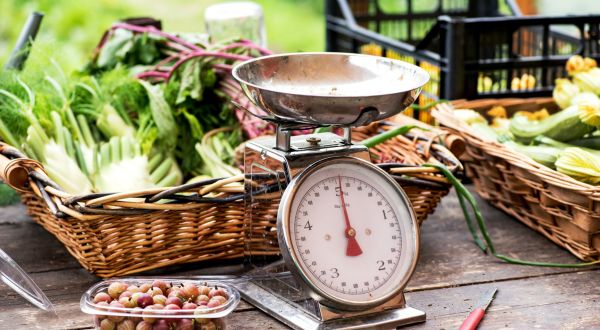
column 74, row 27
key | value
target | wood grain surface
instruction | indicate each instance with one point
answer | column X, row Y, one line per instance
column 451, row 276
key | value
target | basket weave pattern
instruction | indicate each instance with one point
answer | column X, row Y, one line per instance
column 126, row 233
column 561, row 208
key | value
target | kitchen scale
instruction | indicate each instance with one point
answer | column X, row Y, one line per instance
column 344, row 241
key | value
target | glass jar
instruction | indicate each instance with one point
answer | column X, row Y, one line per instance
column 230, row 20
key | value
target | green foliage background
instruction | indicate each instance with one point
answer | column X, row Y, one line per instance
column 74, row 27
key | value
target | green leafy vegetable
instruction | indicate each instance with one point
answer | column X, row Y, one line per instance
column 162, row 116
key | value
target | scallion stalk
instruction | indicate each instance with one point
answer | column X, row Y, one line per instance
column 389, row 134
column 462, row 191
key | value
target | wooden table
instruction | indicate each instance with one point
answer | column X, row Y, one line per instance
column 452, row 274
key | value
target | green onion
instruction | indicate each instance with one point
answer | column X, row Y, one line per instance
column 462, row 192
column 382, row 137
column 323, row 129
column 428, row 105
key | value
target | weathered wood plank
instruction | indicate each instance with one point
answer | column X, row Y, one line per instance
column 565, row 301
column 34, row 249
column 13, row 214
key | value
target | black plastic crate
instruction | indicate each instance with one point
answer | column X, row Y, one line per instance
column 467, row 56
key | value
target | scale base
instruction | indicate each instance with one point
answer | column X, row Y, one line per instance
column 286, row 312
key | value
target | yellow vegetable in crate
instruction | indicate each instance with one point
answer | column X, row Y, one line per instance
column 485, row 84
column 537, row 115
column 526, row 81
column 580, row 165
column 571, row 123
column 497, row 112
column 576, row 63
column 585, row 73
column 501, row 125
column 469, row 116
column 589, row 107
column 564, row 91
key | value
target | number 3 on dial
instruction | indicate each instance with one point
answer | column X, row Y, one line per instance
column 334, row 273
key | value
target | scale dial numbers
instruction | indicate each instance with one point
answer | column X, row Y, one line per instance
column 351, row 232
column 376, row 229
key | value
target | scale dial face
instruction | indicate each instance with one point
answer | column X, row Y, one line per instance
column 349, row 231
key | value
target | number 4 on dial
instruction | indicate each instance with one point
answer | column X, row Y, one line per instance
column 308, row 225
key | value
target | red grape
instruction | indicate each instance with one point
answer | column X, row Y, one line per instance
column 217, row 292
column 174, row 301
column 185, row 324
column 145, row 300
column 116, row 288
column 102, row 296
column 145, row 287
column 205, row 290
column 191, row 291
column 222, row 300
column 144, row 326
column 126, row 294
column 159, row 299
column 189, row 305
column 107, row 324
column 161, row 325
column 162, row 285
column 126, row 325
column 202, row 298
column 133, row 289
column 210, row 325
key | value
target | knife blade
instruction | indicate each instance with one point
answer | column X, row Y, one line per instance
column 476, row 315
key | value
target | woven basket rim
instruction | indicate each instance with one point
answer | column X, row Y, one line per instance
column 443, row 114
column 60, row 201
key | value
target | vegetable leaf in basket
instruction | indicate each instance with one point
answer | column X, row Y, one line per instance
column 190, row 84
column 580, row 165
column 115, row 49
column 162, row 116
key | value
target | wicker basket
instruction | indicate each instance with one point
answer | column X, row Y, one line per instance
column 125, row 233
column 559, row 207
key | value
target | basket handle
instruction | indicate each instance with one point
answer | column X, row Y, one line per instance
column 15, row 167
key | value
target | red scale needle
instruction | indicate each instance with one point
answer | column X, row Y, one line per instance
column 353, row 249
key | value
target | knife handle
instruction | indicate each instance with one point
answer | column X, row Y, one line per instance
column 472, row 321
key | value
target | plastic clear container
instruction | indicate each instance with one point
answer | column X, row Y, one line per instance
column 17, row 279
column 136, row 318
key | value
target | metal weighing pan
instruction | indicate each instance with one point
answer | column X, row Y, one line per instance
column 325, row 89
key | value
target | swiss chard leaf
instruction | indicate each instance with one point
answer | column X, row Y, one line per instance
column 190, row 84
column 195, row 127
column 112, row 52
column 162, row 115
